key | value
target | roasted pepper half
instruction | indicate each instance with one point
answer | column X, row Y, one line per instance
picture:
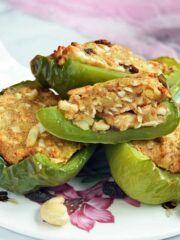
column 148, row 171
column 54, row 122
column 39, row 171
column 30, row 157
column 86, row 64
column 120, row 110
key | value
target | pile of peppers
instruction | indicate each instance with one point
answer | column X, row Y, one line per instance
column 134, row 172
column 75, row 74
column 136, row 175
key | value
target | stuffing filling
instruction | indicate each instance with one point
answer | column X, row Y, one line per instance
column 164, row 151
column 102, row 53
column 119, row 104
column 20, row 133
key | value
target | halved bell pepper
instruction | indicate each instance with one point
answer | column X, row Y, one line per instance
column 54, row 122
column 138, row 175
column 140, row 178
column 71, row 75
column 38, row 170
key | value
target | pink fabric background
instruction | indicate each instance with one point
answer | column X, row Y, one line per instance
column 150, row 27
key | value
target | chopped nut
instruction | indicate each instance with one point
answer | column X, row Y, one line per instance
column 139, row 118
column 121, row 93
column 16, row 129
column 139, row 110
column 41, row 128
column 18, row 95
column 54, row 211
column 127, row 99
column 60, row 144
column 32, row 95
column 150, row 144
column 100, row 126
column 151, row 123
column 128, row 89
column 84, row 124
column 32, row 136
column 135, row 83
column 41, row 143
column 66, row 106
column 114, row 109
column 161, row 111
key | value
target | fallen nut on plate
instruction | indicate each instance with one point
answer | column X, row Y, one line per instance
column 54, row 211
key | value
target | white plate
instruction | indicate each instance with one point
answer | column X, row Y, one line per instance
column 144, row 222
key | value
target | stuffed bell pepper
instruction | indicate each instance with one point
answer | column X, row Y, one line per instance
column 148, row 171
column 136, row 107
column 30, row 157
column 79, row 65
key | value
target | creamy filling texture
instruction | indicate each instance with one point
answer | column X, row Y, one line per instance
column 102, row 53
column 20, row 133
column 164, row 151
column 118, row 104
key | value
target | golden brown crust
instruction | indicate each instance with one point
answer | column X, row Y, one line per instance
column 102, row 53
column 120, row 104
column 164, row 151
column 20, row 133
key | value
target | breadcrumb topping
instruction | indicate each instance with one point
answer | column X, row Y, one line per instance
column 164, row 151
column 20, row 133
column 119, row 104
column 102, row 53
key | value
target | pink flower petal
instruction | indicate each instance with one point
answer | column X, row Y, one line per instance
column 66, row 190
column 94, row 191
column 70, row 193
column 101, row 203
column 132, row 201
column 79, row 220
column 100, row 215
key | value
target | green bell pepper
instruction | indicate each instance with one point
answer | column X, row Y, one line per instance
column 140, row 178
column 72, row 74
column 54, row 122
column 39, row 171
column 172, row 75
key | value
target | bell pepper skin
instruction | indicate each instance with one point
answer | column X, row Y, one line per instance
column 38, row 171
column 140, row 178
column 27, row 83
column 172, row 75
column 72, row 74
column 55, row 123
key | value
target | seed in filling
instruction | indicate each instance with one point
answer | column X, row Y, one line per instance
column 130, row 102
column 164, row 151
column 102, row 53
column 20, row 133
